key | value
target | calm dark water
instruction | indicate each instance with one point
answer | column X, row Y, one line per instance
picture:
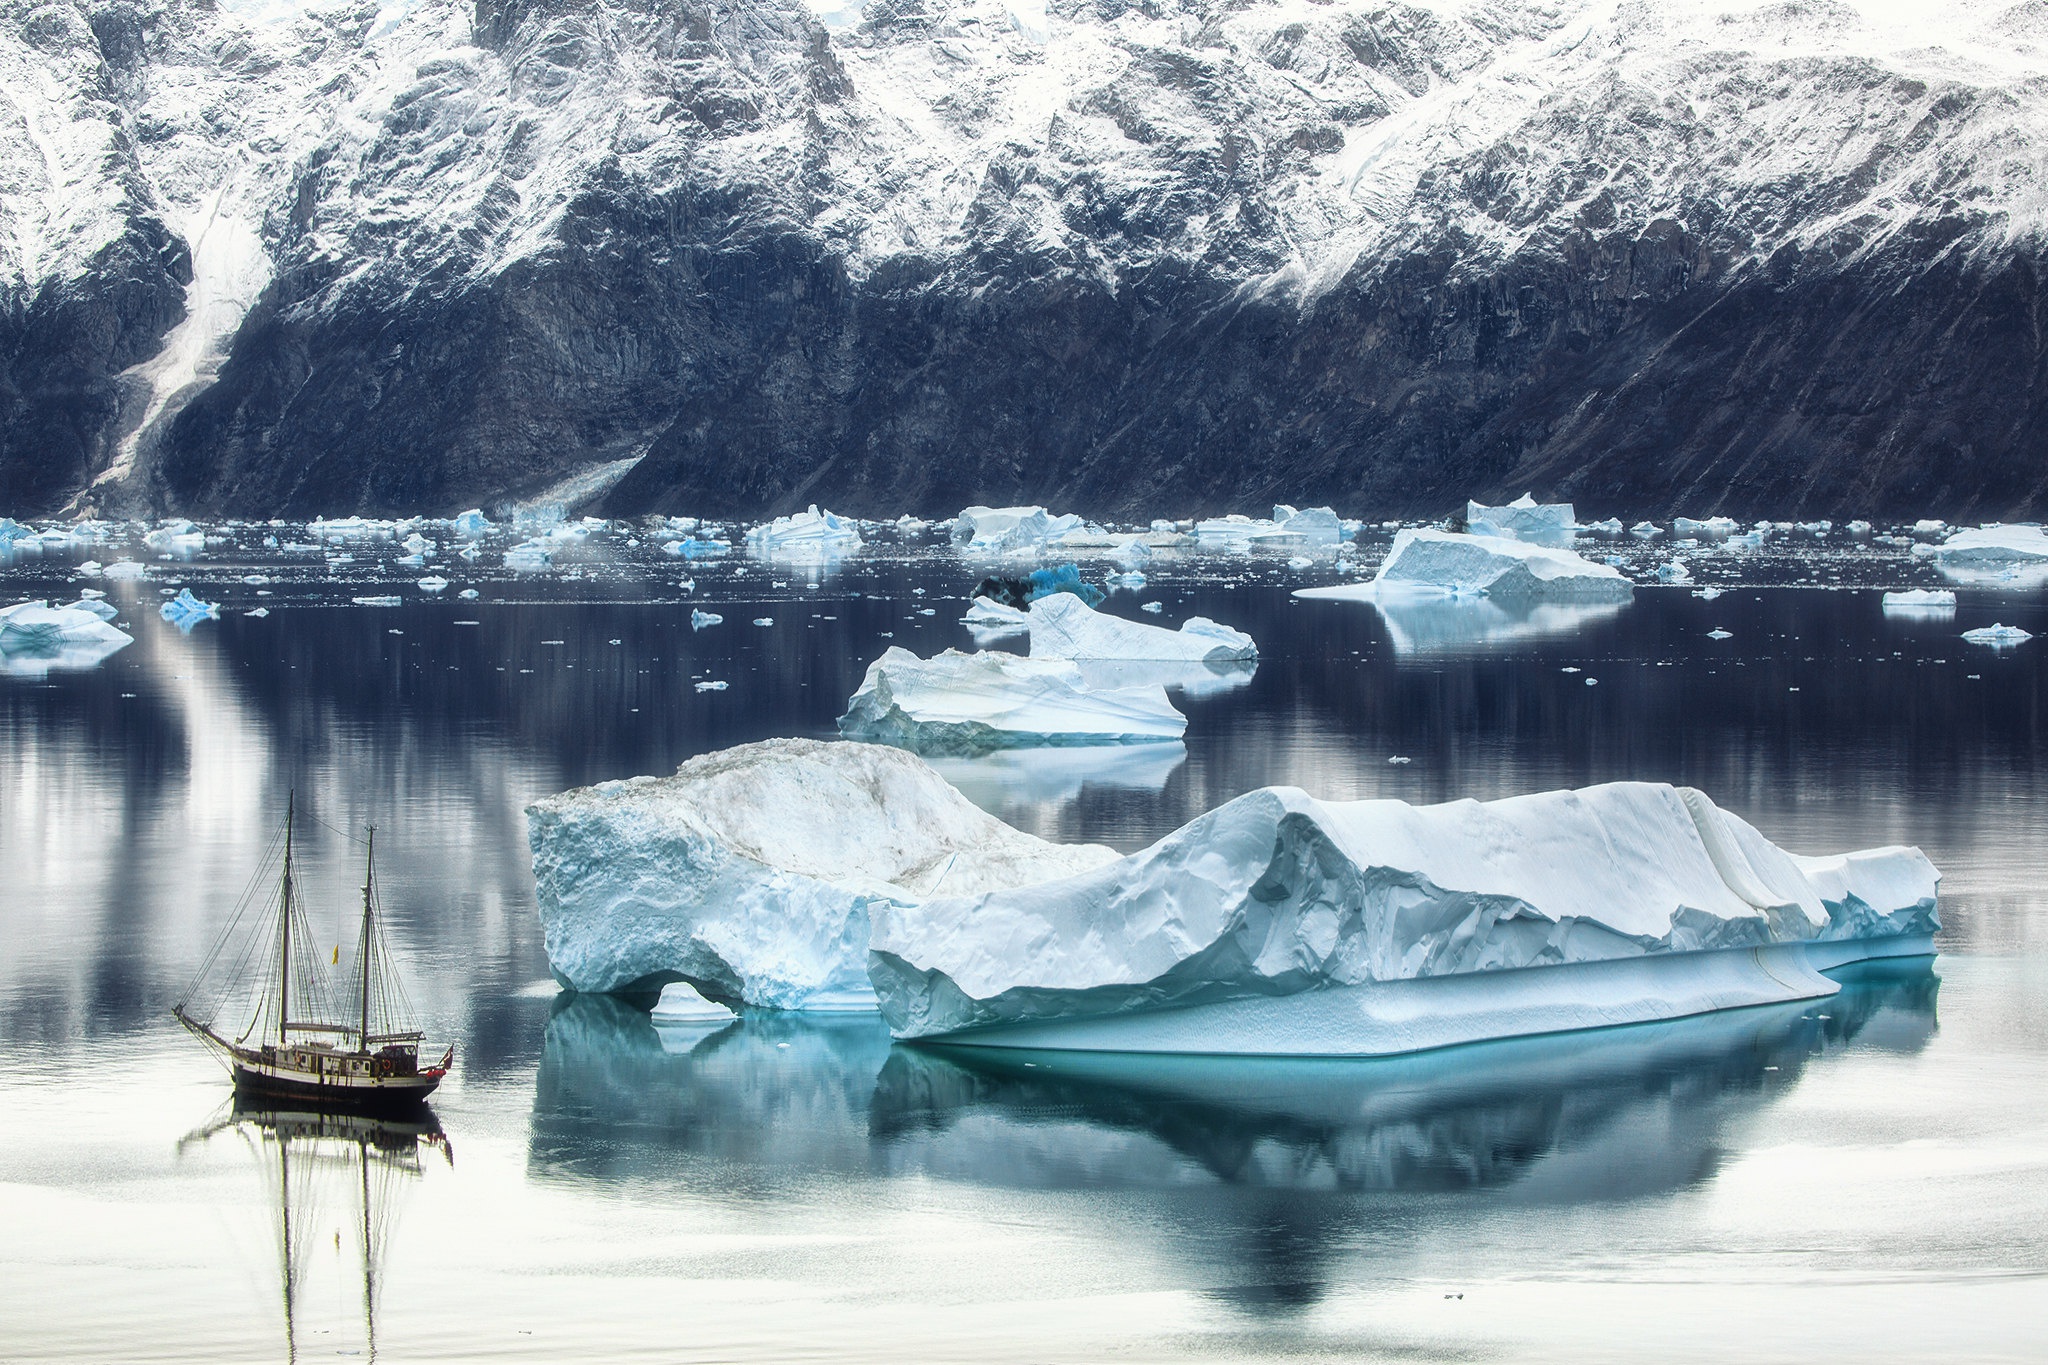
column 1864, row 1178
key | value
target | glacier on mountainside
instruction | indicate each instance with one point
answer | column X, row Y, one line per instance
column 955, row 703
column 1278, row 923
column 1065, row 627
column 751, row 872
column 1545, row 523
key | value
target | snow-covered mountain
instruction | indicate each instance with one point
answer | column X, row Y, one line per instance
column 1173, row 255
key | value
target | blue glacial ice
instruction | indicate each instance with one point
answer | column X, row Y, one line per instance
column 1278, row 923
column 750, row 873
column 956, row 703
column 1538, row 523
column 186, row 611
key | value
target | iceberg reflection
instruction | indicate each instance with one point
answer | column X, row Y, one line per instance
column 1425, row 624
column 1193, row 678
column 1603, row 1115
column 1012, row 778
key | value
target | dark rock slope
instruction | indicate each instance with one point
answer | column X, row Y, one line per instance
column 1148, row 258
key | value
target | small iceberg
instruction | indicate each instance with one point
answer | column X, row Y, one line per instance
column 1009, row 530
column 1713, row 528
column 186, row 611
column 988, row 617
column 809, row 533
column 472, row 525
column 959, row 703
column 1674, row 572
column 1443, row 564
column 751, row 872
column 699, row 618
column 1065, row 627
column 1525, row 519
column 1993, row 556
column 1998, row 636
column 37, row 639
column 433, row 583
column 385, row 601
column 1920, row 602
column 681, row 1004
column 1278, row 923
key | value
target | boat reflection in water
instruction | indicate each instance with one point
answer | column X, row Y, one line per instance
column 325, row 1170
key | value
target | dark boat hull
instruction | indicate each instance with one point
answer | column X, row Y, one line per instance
column 386, row 1095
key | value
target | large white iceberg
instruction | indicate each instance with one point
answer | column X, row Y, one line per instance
column 1993, row 556
column 1065, row 627
column 1278, row 923
column 1920, row 602
column 1439, row 562
column 751, row 871
column 955, row 703
column 805, row 533
column 1539, row 523
column 1009, row 530
column 37, row 638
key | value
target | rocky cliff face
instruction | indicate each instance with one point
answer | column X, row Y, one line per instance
column 1129, row 257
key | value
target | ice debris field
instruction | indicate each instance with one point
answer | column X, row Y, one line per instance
column 1275, row 922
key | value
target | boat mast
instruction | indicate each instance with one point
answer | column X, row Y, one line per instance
column 284, row 938
column 369, row 866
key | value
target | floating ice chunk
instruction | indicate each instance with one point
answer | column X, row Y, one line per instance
column 810, row 532
column 1929, row 527
column 12, row 530
column 186, row 611
column 1674, row 572
column 1931, row 601
column 1154, row 607
column 1133, row 553
column 764, row 620
column 1610, row 527
column 1300, row 562
column 990, row 617
column 1858, row 528
column 472, row 525
column 712, row 686
column 957, row 703
column 1645, row 530
column 434, row 583
column 1998, row 636
column 1009, row 530
column 699, row 618
column 1308, row 523
column 413, row 561
column 1713, row 528
column 1719, row 634
column 1065, row 627
column 378, row 601
column 342, row 528
column 469, row 594
column 750, row 873
column 1539, row 523
column 1708, row 593
column 1989, row 545
column 702, row 547
column 92, row 568
column 125, row 569
column 37, row 638
column 1282, row 924
column 257, row 611
column 681, row 1004
column 529, row 556
column 1441, row 563
column 418, row 544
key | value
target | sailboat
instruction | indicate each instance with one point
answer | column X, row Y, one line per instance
column 297, row 1045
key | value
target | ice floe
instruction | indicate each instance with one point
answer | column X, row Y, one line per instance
column 186, row 611
column 1539, row 523
column 1992, row 556
column 957, row 703
column 807, row 534
column 37, row 639
column 680, row 1003
column 1429, row 562
column 1920, row 602
column 1278, row 923
column 1065, row 627
column 1009, row 530
column 751, row 872
column 1998, row 636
